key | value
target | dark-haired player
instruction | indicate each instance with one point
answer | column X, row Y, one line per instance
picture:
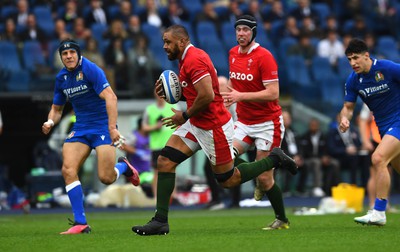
column 377, row 83
column 254, row 86
column 206, row 125
column 85, row 86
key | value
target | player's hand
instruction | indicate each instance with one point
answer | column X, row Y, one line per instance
column 159, row 89
column 175, row 120
column 230, row 97
column 117, row 139
column 47, row 126
column 344, row 124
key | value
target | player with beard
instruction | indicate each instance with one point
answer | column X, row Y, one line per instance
column 254, row 86
column 206, row 125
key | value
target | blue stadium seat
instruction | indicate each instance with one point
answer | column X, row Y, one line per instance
column 332, row 93
column 387, row 46
column 321, row 68
column 228, row 35
column 9, row 60
column 52, row 48
column 161, row 57
column 32, row 55
column 97, row 32
column 44, row 19
column 283, row 47
column 154, row 35
column 18, row 81
column 218, row 55
column 113, row 11
column 298, row 73
column 7, row 11
column 206, row 32
column 193, row 7
column 190, row 31
column 323, row 10
column 344, row 69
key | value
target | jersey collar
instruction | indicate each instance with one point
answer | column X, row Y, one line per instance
column 185, row 51
column 251, row 48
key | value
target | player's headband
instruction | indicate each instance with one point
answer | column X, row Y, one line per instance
column 68, row 45
column 249, row 21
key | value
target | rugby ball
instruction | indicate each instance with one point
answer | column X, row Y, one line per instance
column 171, row 86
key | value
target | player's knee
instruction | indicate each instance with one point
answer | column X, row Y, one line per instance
column 107, row 180
column 226, row 179
column 377, row 159
column 172, row 154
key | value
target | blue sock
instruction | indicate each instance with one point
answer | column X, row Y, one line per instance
column 380, row 204
column 75, row 195
column 121, row 167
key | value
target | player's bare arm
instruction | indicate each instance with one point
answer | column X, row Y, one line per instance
column 53, row 118
column 345, row 115
column 111, row 105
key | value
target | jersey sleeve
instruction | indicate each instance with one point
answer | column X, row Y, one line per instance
column 350, row 94
column 268, row 68
column 96, row 77
column 59, row 98
column 197, row 69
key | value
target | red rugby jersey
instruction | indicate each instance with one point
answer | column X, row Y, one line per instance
column 195, row 65
column 247, row 73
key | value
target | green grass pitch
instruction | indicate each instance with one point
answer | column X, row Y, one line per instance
column 198, row 230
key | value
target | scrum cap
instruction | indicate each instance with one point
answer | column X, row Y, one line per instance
column 249, row 21
column 69, row 44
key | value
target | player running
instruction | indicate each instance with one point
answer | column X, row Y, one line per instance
column 85, row 86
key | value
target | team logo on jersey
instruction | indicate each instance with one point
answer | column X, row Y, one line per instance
column 71, row 135
column 79, row 76
column 65, row 77
column 102, row 137
column 379, row 76
column 249, row 62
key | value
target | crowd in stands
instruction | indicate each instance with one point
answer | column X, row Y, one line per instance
column 124, row 37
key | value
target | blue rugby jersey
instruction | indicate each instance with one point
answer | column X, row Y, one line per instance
column 82, row 87
column 380, row 90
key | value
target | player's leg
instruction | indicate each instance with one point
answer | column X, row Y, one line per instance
column 387, row 151
column 74, row 155
column 109, row 171
column 181, row 145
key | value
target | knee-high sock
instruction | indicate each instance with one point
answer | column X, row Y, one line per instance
column 165, row 187
column 275, row 197
column 75, row 194
column 251, row 170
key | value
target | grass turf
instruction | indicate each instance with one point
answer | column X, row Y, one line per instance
column 198, row 230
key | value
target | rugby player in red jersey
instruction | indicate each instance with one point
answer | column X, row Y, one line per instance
column 206, row 125
column 254, row 86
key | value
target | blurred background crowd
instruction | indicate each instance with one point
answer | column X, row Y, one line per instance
column 124, row 37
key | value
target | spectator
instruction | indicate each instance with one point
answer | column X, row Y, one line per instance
column 344, row 147
column 80, row 31
column 305, row 9
column 33, row 32
column 96, row 14
column 331, row 47
column 291, row 146
column 314, row 150
column 209, row 14
column 254, row 10
column 60, row 32
column 124, row 12
column 382, row 16
column 290, row 29
column 309, row 26
column 152, row 15
column 277, row 13
column 139, row 155
column 144, row 69
column 21, row 17
column 134, row 29
column 10, row 33
column 304, row 48
column 331, row 23
column 176, row 14
column 234, row 11
column 71, row 13
column 116, row 30
column 359, row 30
column 116, row 58
column 92, row 53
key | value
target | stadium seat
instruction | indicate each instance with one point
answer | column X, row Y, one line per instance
column 32, row 55
column 283, row 47
column 218, row 55
column 344, row 69
column 7, row 11
column 206, row 32
column 332, row 93
column 44, row 19
column 190, row 31
column 98, row 30
column 323, row 10
column 9, row 60
column 18, row 81
column 228, row 35
column 154, row 35
column 321, row 68
column 193, row 7
column 298, row 73
column 387, row 46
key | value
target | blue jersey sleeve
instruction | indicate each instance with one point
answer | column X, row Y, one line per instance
column 59, row 97
column 96, row 77
column 350, row 93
